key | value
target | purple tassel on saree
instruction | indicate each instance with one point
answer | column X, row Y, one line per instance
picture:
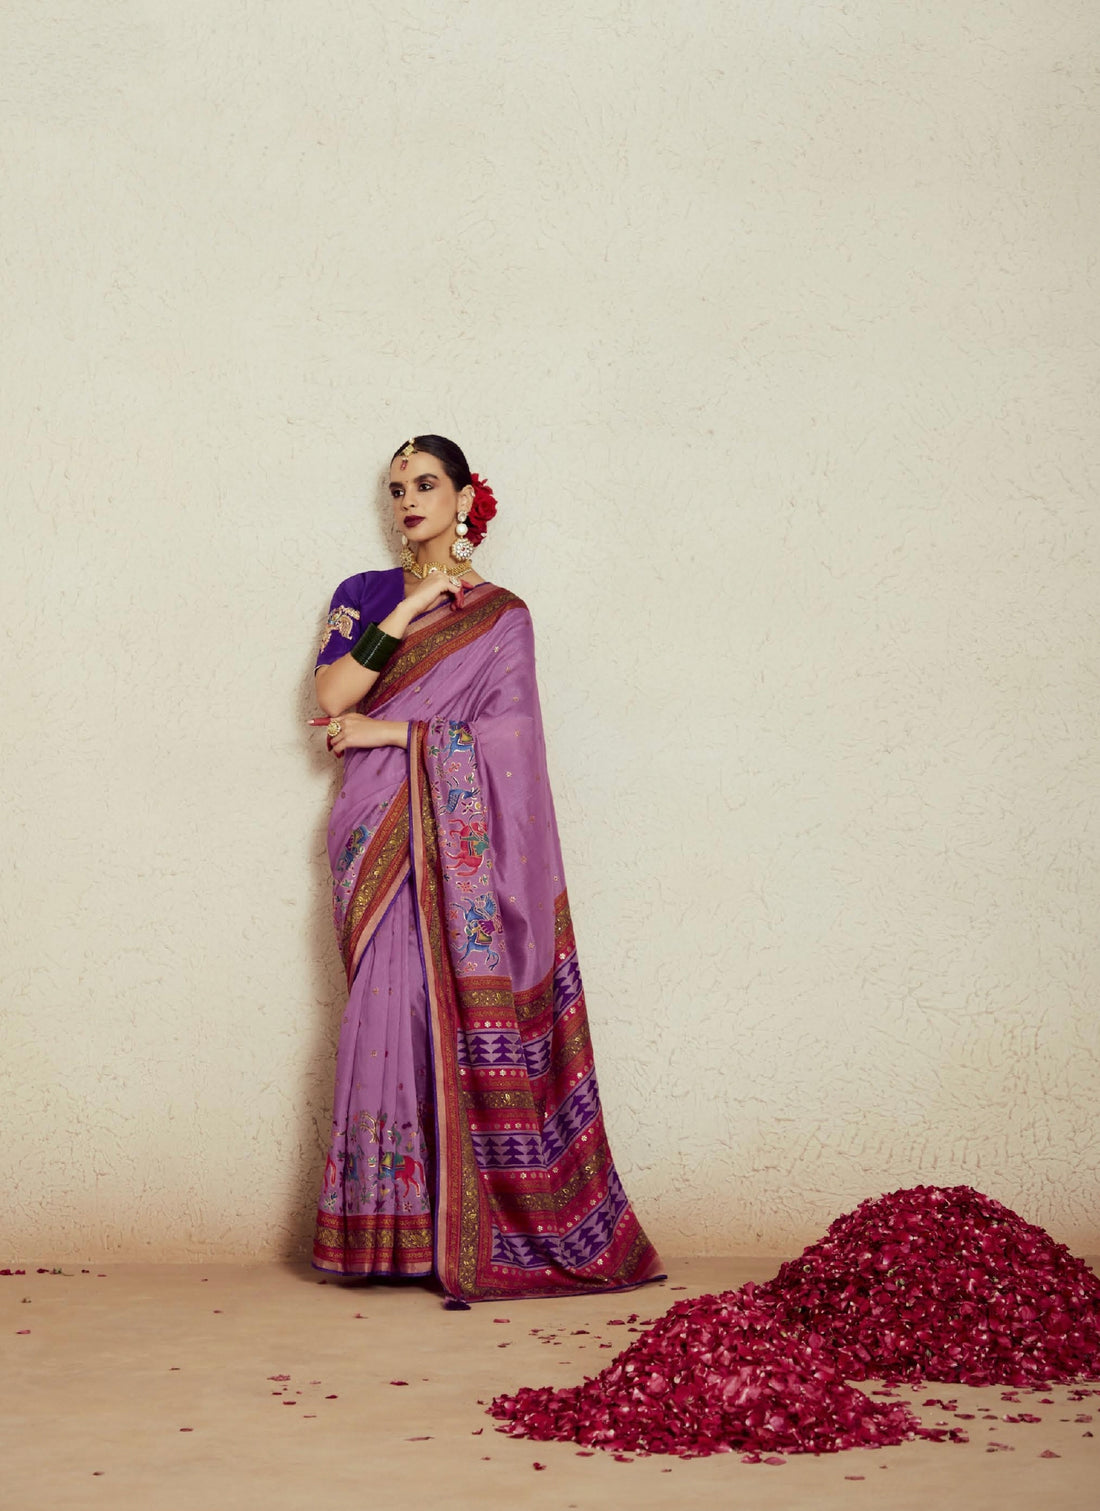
column 463, row 845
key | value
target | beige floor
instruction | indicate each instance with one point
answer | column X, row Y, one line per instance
column 96, row 1396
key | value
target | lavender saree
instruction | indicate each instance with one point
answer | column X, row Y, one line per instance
column 467, row 1139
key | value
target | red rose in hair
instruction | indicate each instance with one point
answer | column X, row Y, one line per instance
column 482, row 510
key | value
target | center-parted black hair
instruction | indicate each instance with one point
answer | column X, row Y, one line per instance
column 453, row 457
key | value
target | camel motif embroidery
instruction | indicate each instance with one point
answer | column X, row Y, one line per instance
column 401, row 1169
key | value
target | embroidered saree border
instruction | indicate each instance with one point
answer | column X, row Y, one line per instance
column 461, row 1237
column 533, row 1228
column 434, row 641
column 384, row 870
column 373, row 1244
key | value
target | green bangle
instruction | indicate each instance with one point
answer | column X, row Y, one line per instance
column 374, row 648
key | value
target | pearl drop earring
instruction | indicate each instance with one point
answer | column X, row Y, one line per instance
column 462, row 550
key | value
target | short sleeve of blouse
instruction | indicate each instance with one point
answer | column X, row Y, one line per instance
column 344, row 623
column 357, row 601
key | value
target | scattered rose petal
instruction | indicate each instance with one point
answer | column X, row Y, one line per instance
column 855, row 1476
column 425, row 1439
column 502, row 1319
column 774, row 1459
column 538, row 1466
column 1046, row 1454
column 399, row 1382
column 332, row 1398
column 187, row 1429
column 281, row 1377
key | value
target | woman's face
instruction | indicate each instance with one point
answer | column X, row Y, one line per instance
column 425, row 501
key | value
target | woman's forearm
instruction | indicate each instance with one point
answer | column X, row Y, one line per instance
column 344, row 683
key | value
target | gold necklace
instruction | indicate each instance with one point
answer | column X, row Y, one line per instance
column 455, row 569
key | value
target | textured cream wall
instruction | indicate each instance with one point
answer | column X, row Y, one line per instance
column 774, row 324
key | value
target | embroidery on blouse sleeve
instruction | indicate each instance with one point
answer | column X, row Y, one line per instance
column 340, row 619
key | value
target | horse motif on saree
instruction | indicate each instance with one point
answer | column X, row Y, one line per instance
column 525, row 1198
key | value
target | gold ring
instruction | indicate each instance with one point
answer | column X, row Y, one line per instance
column 334, row 728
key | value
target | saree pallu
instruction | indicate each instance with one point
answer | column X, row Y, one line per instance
column 468, row 1138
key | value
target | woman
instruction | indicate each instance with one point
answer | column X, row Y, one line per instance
column 467, row 1140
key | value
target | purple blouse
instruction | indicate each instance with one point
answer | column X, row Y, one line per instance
column 359, row 600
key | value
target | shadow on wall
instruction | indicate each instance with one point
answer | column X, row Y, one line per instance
column 329, row 993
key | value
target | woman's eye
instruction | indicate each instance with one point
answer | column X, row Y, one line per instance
column 425, row 487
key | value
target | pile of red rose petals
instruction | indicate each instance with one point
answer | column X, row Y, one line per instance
column 714, row 1375
column 943, row 1283
column 932, row 1283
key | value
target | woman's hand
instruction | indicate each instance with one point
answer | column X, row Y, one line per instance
column 428, row 593
column 360, row 732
